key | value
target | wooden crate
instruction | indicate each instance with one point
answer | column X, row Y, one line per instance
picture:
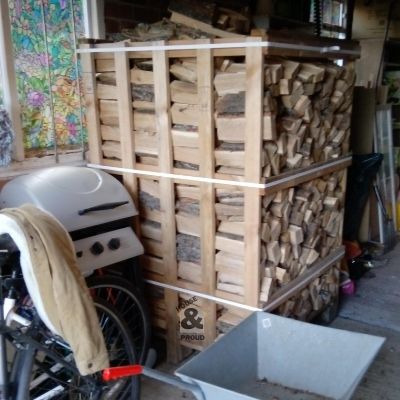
column 273, row 124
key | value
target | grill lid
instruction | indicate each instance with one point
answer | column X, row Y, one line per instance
column 79, row 197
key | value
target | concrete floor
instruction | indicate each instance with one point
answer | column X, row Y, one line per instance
column 374, row 309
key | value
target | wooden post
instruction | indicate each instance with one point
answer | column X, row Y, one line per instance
column 92, row 112
column 125, row 117
column 167, row 196
column 253, row 171
column 205, row 72
column 9, row 84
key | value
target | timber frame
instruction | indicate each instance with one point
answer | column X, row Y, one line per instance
column 261, row 230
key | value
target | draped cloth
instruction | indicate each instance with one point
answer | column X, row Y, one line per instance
column 55, row 284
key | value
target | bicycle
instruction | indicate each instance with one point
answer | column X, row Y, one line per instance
column 124, row 297
column 42, row 366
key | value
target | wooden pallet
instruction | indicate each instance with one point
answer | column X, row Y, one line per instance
column 256, row 115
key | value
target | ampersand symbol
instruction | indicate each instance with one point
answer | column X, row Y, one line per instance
column 190, row 321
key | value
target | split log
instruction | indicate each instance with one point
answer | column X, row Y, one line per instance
column 276, row 72
column 184, row 71
column 230, row 82
column 229, row 158
column 144, row 121
column 151, row 230
column 267, row 285
column 224, row 260
column 187, row 224
column 273, row 252
column 143, row 93
column 185, row 114
column 184, row 92
column 233, row 228
column 185, row 138
column 107, row 78
column 231, row 103
column 141, row 77
column 188, row 248
column 189, row 271
column 153, row 264
column 311, row 73
column 106, row 92
column 191, row 192
column 225, row 243
column 232, row 128
column 290, row 69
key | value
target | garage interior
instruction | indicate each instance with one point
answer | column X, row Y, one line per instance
column 225, row 177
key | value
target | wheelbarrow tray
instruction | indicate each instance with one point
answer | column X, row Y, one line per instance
column 276, row 358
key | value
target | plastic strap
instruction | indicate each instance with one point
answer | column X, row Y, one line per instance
column 199, row 46
column 203, row 295
column 180, row 177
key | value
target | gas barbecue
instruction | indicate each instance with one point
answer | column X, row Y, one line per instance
column 93, row 206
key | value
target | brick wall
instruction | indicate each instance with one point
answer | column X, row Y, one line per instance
column 120, row 14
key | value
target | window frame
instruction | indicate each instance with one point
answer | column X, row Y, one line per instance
column 93, row 14
column 9, row 84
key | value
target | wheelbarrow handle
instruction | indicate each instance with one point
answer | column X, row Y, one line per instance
column 114, row 373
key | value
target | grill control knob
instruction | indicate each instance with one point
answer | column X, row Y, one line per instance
column 97, row 248
column 114, row 244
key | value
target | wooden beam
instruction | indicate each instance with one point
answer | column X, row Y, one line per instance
column 253, row 170
column 205, row 90
column 125, row 118
column 9, row 84
column 167, row 197
column 92, row 111
column 301, row 175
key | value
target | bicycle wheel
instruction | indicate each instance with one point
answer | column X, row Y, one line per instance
column 51, row 380
column 130, row 305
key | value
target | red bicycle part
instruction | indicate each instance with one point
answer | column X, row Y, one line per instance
column 110, row 374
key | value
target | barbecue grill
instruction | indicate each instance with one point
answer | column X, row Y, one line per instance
column 93, row 206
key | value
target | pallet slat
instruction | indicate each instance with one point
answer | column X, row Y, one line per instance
column 205, row 68
column 167, row 200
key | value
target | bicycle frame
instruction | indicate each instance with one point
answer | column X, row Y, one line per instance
column 16, row 383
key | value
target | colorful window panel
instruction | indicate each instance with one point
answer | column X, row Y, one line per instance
column 44, row 34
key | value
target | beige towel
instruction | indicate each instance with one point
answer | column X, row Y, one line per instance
column 62, row 289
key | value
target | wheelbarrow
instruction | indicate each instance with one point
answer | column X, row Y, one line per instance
column 275, row 358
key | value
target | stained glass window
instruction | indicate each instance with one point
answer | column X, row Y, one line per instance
column 44, row 35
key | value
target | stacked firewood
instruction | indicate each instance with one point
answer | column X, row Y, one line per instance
column 187, row 218
column 145, row 131
column 306, row 121
column 299, row 226
column 307, row 114
column 305, row 305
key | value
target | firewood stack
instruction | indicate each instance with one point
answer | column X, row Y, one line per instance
column 307, row 115
column 306, row 304
column 198, row 112
column 299, row 226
